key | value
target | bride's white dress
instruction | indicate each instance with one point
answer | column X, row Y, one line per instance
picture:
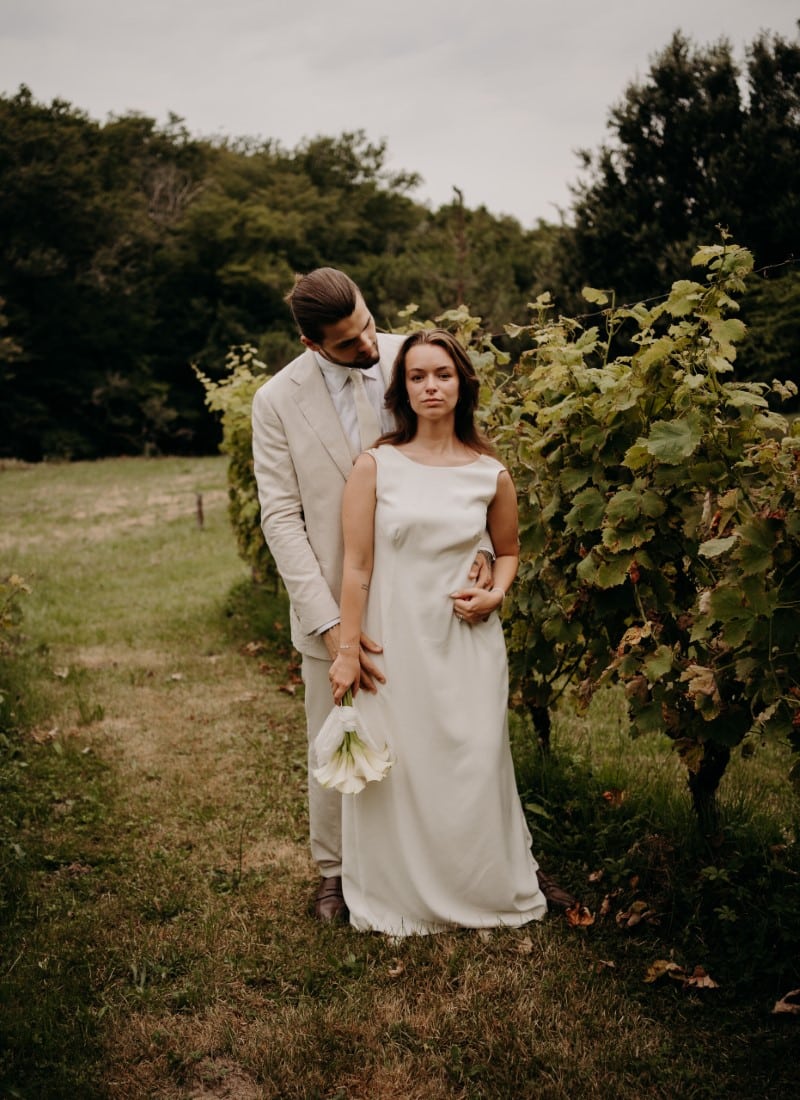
column 442, row 840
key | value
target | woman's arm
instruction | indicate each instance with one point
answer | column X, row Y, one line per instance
column 474, row 604
column 358, row 528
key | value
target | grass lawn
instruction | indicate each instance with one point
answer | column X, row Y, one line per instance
column 155, row 890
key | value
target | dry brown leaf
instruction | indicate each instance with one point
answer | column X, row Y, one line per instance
column 700, row 980
column 396, row 970
column 614, row 796
column 605, row 906
column 639, row 911
column 578, row 916
column 596, row 876
column 41, row 737
column 664, row 968
column 288, row 689
column 788, row 1004
column 77, row 869
column 525, row 946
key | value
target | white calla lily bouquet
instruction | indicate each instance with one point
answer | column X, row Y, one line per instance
column 347, row 754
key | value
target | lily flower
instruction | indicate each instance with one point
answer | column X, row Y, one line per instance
column 347, row 754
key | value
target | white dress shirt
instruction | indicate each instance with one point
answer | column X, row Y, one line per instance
column 336, row 379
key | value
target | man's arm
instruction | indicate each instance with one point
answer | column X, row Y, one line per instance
column 283, row 522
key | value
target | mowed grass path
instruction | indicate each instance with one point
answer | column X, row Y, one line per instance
column 160, row 945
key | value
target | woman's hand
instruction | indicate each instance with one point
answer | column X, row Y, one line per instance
column 345, row 672
column 475, row 605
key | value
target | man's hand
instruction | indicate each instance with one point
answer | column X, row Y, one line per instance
column 480, row 575
column 370, row 675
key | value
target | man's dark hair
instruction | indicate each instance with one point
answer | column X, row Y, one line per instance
column 321, row 298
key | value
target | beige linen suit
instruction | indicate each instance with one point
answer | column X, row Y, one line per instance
column 302, row 459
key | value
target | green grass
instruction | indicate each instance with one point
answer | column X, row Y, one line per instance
column 155, row 879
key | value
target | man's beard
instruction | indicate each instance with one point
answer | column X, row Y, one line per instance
column 360, row 363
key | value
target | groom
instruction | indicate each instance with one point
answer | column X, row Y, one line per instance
column 310, row 421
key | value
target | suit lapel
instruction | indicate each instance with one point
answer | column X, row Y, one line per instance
column 316, row 406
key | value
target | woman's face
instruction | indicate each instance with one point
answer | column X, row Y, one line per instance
column 432, row 382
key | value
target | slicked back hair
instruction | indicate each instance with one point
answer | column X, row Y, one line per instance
column 321, row 298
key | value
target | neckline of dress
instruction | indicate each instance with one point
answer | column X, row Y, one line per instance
column 432, row 466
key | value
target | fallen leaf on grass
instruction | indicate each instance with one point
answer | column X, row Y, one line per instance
column 396, row 970
column 638, row 912
column 788, row 1004
column 77, row 869
column 614, row 796
column 288, row 689
column 252, row 649
column 525, row 946
column 41, row 737
column 61, row 673
column 700, row 980
column 578, row 916
column 664, row 968
column 175, row 676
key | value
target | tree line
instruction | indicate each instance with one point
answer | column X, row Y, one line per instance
column 130, row 250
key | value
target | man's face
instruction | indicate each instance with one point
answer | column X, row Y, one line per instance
column 351, row 342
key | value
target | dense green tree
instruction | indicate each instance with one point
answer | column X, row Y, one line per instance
column 694, row 145
column 699, row 143
column 78, row 234
column 130, row 252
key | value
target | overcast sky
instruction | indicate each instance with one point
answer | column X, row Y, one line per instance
column 493, row 96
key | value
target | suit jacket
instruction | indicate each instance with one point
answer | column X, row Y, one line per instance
column 302, row 460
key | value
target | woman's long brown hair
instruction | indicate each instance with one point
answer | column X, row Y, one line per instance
column 397, row 402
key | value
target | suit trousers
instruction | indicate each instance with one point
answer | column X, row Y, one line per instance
column 324, row 805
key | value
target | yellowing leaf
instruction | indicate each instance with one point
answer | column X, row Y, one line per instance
column 598, row 297
column 662, row 968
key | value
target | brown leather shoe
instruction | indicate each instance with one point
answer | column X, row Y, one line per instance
column 554, row 893
column 329, row 904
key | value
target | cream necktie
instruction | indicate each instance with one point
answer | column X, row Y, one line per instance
column 369, row 427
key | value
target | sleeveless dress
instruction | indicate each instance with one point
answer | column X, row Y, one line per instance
column 442, row 841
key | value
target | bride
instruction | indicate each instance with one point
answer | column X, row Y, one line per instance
column 442, row 841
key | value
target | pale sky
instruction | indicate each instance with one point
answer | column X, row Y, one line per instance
column 492, row 96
